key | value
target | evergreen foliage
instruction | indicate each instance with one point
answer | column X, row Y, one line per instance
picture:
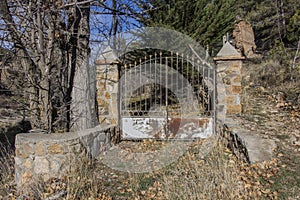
column 273, row 21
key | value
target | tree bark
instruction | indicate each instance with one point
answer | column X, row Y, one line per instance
column 81, row 115
column 53, row 52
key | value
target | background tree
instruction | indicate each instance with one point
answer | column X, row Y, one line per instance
column 207, row 21
column 273, row 21
column 50, row 41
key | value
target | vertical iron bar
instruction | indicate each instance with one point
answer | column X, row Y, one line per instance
column 193, row 80
column 124, row 100
column 140, row 86
column 215, row 100
column 119, row 100
column 182, row 66
column 171, row 71
column 144, row 88
column 198, row 85
column 177, row 72
column 203, row 89
column 151, row 85
column 166, row 89
column 155, row 82
column 208, row 78
column 187, row 77
column 130, row 86
column 135, row 77
column 160, row 83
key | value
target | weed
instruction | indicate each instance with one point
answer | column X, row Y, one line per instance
column 7, row 184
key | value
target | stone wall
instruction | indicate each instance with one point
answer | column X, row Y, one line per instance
column 107, row 77
column 44, row 156
column 230, row 71
column 229, row 65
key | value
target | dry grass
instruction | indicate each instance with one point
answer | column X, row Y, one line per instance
column 7, row 185
column 272, row 109
column 218, row 175
column 213, row 177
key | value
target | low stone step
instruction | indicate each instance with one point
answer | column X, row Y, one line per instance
column 248, row 145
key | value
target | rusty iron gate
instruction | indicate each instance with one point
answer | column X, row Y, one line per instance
column 167, row 95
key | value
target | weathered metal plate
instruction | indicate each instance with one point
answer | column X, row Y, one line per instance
column 139, row 128
column 178, row 128
column 189, row 128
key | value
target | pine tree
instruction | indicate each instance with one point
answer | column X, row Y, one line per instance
column 208, row 20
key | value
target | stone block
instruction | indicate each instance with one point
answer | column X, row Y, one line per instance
column 26, row 178
column 55, row 149
column 28, row 149
column 231, row 99
column 116, row 76
column 101, row 86
column 28, row 163
column 103, row 110
column 228, row 90
column 221, row 118
column 237, row 79
column 221, row 98
column 101, row 102
column 100, row 94
column 18, row 152
column 221, row 65
column 102, row 119
column 221, row 89
column 56, row 164
column 101, row 74
column 107, row 95
column 228, row 72
column 22, row 154
column 110, row 86
column 227, row 81
column 41, row 165
column 40, row 150
column 236, row 89
column 114, row 121
column 235, row 66
column 18, row 161
column 220, row 108
column 233, row 109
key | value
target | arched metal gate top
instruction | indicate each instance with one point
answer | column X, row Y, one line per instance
column 166, row 95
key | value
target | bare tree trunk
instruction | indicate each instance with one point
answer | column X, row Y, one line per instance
column 45, row 103
column 30, row 67
column 115, row 24
column 53, row 52
column 283, row 18
column 81, row 112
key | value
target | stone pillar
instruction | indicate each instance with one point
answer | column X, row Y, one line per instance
column 229, row 65
column 107, row 77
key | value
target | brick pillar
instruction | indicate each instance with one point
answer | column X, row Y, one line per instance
column 107, row 77
column 229, row 65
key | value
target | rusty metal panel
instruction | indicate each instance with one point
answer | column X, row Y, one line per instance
column 189, row 128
